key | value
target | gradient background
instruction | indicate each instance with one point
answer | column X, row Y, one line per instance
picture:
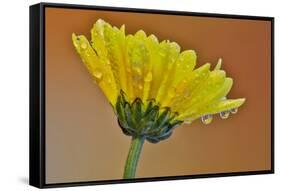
column 83, row 139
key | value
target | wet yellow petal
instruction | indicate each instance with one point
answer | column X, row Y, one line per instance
column 219, row 106
column 205, row 93
column 102, row 73
column 172, row 53
column 184, row 65
column 188, row 85
column 115, row 45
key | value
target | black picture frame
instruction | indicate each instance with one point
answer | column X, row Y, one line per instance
column 37, row 95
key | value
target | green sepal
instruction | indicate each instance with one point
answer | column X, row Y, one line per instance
column 148, row 120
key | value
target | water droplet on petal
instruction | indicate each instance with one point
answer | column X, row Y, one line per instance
column 137, row 70
column 128, row 70
column 97, row 73
column 161, row 53
column 224, row 114
column 171, row 92
column 95, row 34
column 84, row 45
column 153, row 38
column 108, row 79
column 186, row 93
column 234, row 110
column 107, row 62
column 187, row 121
column 207, row 119
column 148, row 77
column 223, row 98
column 136, row 78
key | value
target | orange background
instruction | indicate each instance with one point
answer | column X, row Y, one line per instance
column 83, row 139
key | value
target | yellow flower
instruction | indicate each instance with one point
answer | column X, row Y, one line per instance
column 153, row 86
column 144, row 68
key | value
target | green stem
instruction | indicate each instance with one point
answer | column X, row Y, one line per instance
column 133, row 157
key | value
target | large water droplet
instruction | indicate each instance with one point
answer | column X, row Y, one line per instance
column 84, row 45
column 207, row 119
column 234, row 110
column 97, row 73
column 224, row 114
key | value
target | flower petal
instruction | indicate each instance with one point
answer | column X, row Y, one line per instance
column 172, row 54
column 204, row 93
column 115, row 44
column 102, row 73
column 188, row 85
column 138, row 56
column 180, row 71
column 220, row 106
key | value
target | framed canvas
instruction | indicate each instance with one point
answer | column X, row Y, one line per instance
column 121, row 95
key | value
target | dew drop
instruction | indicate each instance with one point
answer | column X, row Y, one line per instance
column 171, row 92
column 108, row 79
column 137, row 70
column 97, row 73
column 153, row 38
column 223, row 98
column 107, row 62
column 172, row 61
column 234, row 110
column 84, row 45
column 187, row 121
column 224, row 114
column 95, row 34
column 136, row 78
column 207, row 119
column 161, row 53
column 128, row 70
column 186, row 93
column 142, row 47
column 148, row 77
